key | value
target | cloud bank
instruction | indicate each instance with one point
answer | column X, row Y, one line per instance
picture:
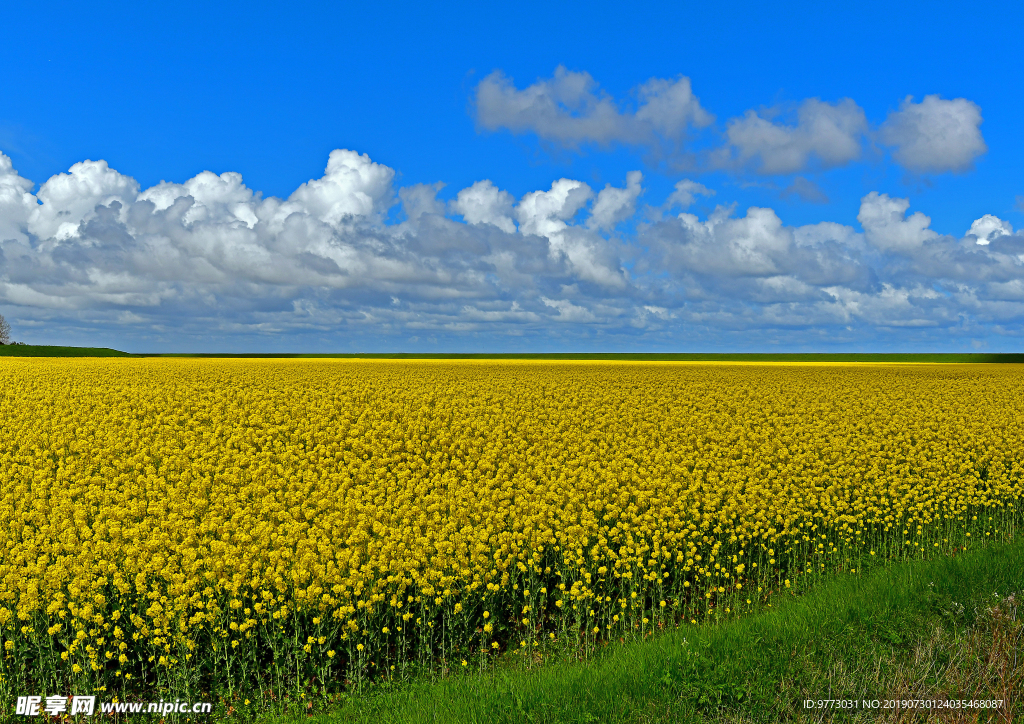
column 556, row 267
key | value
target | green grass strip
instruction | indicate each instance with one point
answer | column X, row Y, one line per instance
column 33, row 350
column 938, row 629
column 25, row 350
column 644, row 357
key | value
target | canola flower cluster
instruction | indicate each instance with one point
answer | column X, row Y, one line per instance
column 213, row 526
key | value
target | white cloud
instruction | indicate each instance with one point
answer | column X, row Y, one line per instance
column 935, row 135
column 68, row 198
column 545, row 213
column 548, row 213
column 886, row 227
column 16, row 201
column 569, row 109
column 825, row 134
column 744, row 246
column 215, row 197
column 485, row 203
column 569, row 312
column 616, row 204
column 989, row 227
column 685, row 192
column 352, row 185
column 670, row 107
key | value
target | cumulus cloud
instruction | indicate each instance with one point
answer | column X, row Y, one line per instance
column 616, row 204
column 67, row 198
column 935, row 135
column 886, row 227
column 670, row 107
column 989, row 227
column 209, row 256
column 485, row 203
column 549, row 213
column 569, row 109
column 214, row 198
column 16, row 201
column 351, row 186
column 825, row 135
column 546, row 213
column 685, row 192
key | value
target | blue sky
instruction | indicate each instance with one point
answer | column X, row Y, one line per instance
column 544, row 178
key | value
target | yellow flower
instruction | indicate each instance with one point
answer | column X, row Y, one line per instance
column 231, row 500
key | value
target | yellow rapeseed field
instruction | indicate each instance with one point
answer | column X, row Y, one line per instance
column 255, row 527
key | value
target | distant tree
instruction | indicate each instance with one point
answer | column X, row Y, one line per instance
column 5, row 331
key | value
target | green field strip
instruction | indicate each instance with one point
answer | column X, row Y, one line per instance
column 32, row 350
column 925, row 357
